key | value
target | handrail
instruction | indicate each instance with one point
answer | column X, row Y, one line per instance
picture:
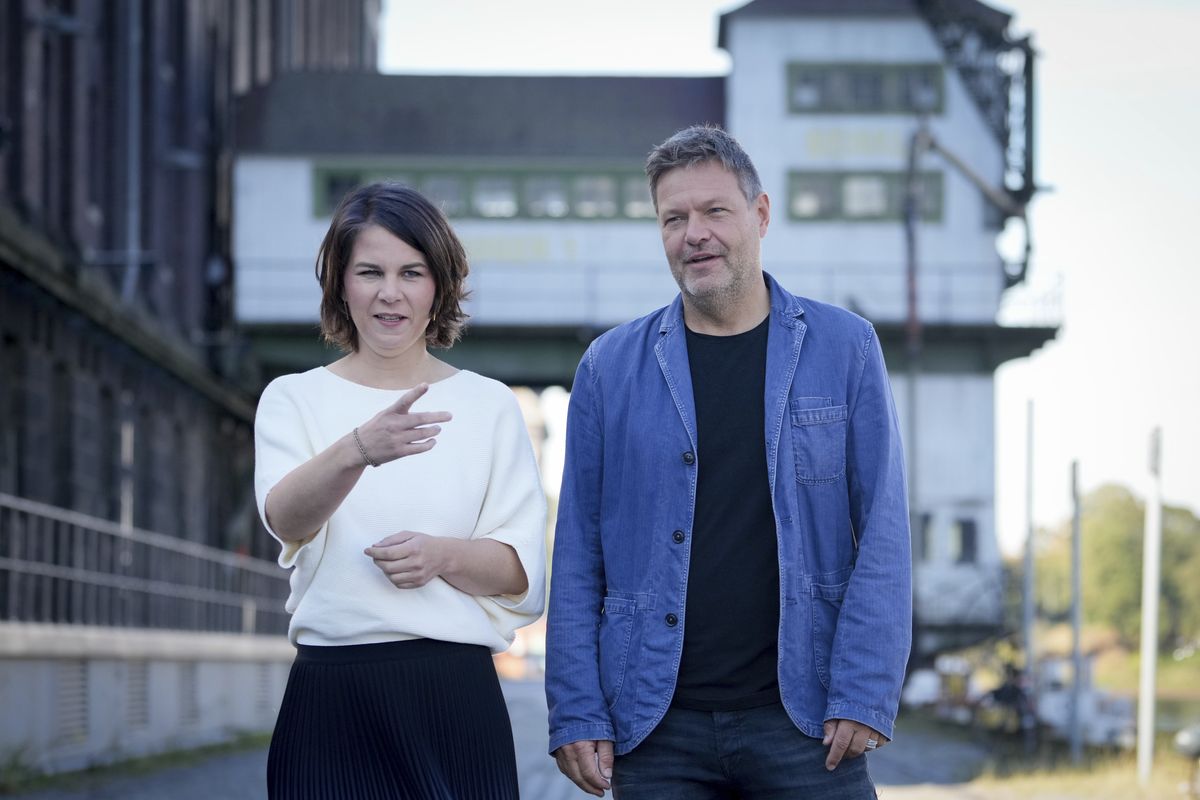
column 60, row 566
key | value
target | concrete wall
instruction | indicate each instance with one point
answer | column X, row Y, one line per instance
column 77, row 697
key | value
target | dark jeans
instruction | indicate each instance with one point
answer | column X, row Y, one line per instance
column 757, row 754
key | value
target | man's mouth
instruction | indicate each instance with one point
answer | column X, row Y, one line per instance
column 700, row 258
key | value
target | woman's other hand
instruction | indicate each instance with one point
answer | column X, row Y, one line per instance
column 480, row 567
column 410, row 559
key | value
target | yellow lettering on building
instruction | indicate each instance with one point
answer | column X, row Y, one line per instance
column 822, row 143
column 508, row 248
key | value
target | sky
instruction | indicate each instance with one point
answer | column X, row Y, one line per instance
column 1117, row 229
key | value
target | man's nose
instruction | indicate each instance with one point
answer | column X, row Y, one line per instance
column 697, row 231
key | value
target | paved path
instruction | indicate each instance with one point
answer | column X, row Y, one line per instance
column 240, row 776
column 916, row 767
column 536, row 771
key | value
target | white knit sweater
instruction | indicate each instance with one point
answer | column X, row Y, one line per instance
column 480, row 480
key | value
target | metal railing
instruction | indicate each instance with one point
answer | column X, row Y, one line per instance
column 60, row 566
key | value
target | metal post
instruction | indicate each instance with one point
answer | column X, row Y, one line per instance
column 1028, row 609
column 912, row 202
column 1077, row 681
column 133, row 154
column 1151, row 575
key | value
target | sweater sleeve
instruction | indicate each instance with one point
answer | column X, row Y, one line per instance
column 514, row 512
column 281, row 443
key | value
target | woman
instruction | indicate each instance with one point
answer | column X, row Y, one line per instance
column 406, row 498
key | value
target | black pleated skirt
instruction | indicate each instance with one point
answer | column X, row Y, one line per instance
column 414, row 720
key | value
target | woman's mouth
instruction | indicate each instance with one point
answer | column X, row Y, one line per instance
column 390, row 319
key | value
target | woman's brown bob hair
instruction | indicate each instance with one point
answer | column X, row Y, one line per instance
column 407, row 215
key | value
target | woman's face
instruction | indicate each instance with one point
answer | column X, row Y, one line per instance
column 389, row 290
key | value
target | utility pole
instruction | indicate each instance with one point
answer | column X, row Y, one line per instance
column 1028, row 605
column 1077, row 668
column 923, row 141
column 1151, row 577
column 912, row 330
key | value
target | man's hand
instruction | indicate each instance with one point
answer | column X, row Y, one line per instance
column 588, row 763
column 846, row 738
column 409, row 559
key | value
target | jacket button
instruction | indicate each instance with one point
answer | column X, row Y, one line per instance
column 672, row 620
column 689, row 457
column 677, row 536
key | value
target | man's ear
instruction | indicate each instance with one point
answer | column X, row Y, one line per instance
column 762, row 207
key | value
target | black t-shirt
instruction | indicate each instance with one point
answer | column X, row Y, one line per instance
column 731, row 632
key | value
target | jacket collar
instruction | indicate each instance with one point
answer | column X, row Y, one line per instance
column 786, row 308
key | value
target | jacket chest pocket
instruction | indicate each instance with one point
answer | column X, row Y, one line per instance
column 818, row 440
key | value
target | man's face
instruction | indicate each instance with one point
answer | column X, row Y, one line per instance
column 711, row 235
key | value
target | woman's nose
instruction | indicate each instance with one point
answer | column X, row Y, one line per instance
column 389, row 291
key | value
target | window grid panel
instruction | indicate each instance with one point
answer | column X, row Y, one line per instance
column 865, row 88
column 867, row 196
column 526, row 193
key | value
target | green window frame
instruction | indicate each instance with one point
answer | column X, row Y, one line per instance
column 860, row 196
column 498, row 193
column 853, row 88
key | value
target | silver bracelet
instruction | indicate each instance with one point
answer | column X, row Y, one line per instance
column 366, row 458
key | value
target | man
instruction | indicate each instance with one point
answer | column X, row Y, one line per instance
column 731, row 597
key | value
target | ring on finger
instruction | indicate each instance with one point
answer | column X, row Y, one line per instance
column 872, row 744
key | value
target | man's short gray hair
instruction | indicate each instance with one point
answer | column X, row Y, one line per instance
column 696, row 145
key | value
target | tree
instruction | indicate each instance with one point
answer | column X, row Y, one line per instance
column 1112, row 528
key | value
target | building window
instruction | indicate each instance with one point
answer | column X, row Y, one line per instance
column 921, row 537
column 63, row 402
column 864, row 196
column 966, row 540
column 178, row 476
column 546, row 196
column 813, row 196
column 447, row 192
column 635, row 195
column 12, row 415
column 107, row 486
column 495, row 196
column 860, row 196
column 144, row 479
column 595, row 196
column 865, row 88
column 337, row 185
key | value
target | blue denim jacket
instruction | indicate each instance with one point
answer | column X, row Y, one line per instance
column 834, row 461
